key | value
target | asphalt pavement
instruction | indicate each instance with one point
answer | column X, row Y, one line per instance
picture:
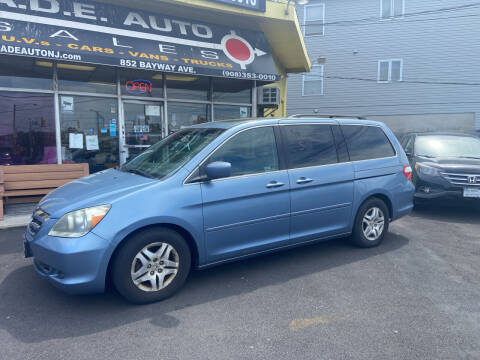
column 417, row 296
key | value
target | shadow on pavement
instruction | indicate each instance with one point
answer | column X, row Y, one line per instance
column 31, row 310
column 459, row 211
column 7, row 246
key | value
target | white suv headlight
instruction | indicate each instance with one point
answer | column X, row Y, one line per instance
column 80, row 222
column 426, row 170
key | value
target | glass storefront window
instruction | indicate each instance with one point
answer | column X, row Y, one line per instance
column 227, row 112
column 188, row 87
column 143, row 125
column 27, row 129
column 87, row 78
column 89, row 124
column 232, row 91
column 143, row 122
column 25, row 73
column 89, row 128
column 142, row 83
column 181, row 115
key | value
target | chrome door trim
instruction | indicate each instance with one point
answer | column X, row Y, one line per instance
column 274, row 184
column 304, row 180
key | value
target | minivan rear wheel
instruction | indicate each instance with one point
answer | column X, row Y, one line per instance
column 151, row 266
column 371, row 223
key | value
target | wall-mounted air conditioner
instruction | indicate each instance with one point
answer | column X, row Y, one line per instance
column 268, row 96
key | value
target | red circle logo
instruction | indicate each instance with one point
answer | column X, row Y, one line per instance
column 238, row 49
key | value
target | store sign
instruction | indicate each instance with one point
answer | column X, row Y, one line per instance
column 101, row 33
column 256, row 5
column 138, row 86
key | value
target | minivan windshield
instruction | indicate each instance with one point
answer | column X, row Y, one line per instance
column 171, row 153
column 448, row 146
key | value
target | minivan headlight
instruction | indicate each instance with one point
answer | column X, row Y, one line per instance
column 79, row 222
column 426, row 170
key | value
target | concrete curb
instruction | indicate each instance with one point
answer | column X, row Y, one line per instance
column 14, row 221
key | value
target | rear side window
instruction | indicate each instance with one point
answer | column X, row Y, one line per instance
column 367, row 142
column 309, row 145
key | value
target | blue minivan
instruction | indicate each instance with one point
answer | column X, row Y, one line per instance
column 218, row 192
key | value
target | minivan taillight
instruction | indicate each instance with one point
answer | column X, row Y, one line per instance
column 407, row 171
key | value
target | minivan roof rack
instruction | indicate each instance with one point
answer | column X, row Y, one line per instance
column 330, row 116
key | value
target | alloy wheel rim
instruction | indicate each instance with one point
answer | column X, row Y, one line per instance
column 154, row 267
column 373, row 223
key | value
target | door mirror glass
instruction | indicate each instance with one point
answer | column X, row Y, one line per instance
column 218, row 170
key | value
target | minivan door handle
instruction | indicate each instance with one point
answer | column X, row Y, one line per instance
column 274, row 184
column 304, row 180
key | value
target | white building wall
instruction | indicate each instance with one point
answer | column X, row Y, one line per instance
column 440, row 53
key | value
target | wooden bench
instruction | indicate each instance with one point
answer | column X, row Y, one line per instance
column 28, row 183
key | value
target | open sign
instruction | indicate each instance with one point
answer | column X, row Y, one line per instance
column 138, row 86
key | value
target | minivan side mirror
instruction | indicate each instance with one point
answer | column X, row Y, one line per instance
column 218, row 170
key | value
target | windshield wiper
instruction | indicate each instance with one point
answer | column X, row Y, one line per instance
column 426, row 156
column 140, row 172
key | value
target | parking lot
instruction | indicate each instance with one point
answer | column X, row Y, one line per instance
column 414, row 297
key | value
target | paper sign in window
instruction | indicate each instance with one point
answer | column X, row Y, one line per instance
column 243, row 112
column 152, row 110
column 141, row 128
column 75, row 141
column 66, row 104
column 91, row 142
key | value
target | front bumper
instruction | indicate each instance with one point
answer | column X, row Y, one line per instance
column 72, row 265
column 437, row 186
column 438, row 194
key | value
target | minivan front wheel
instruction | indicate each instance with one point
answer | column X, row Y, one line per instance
column 155, row 266
column 151, row 266
column 371, row 223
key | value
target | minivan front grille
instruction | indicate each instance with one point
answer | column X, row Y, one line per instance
column 462, row 179
column 38, row 218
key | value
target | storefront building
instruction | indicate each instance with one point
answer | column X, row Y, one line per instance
column 98, row 82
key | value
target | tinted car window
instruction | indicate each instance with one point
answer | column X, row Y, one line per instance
column 367, row 142
column 341, row 144
column 250, row 152
column 309, row 145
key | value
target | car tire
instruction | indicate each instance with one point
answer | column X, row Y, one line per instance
column 151, row 265
column 371, row 223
